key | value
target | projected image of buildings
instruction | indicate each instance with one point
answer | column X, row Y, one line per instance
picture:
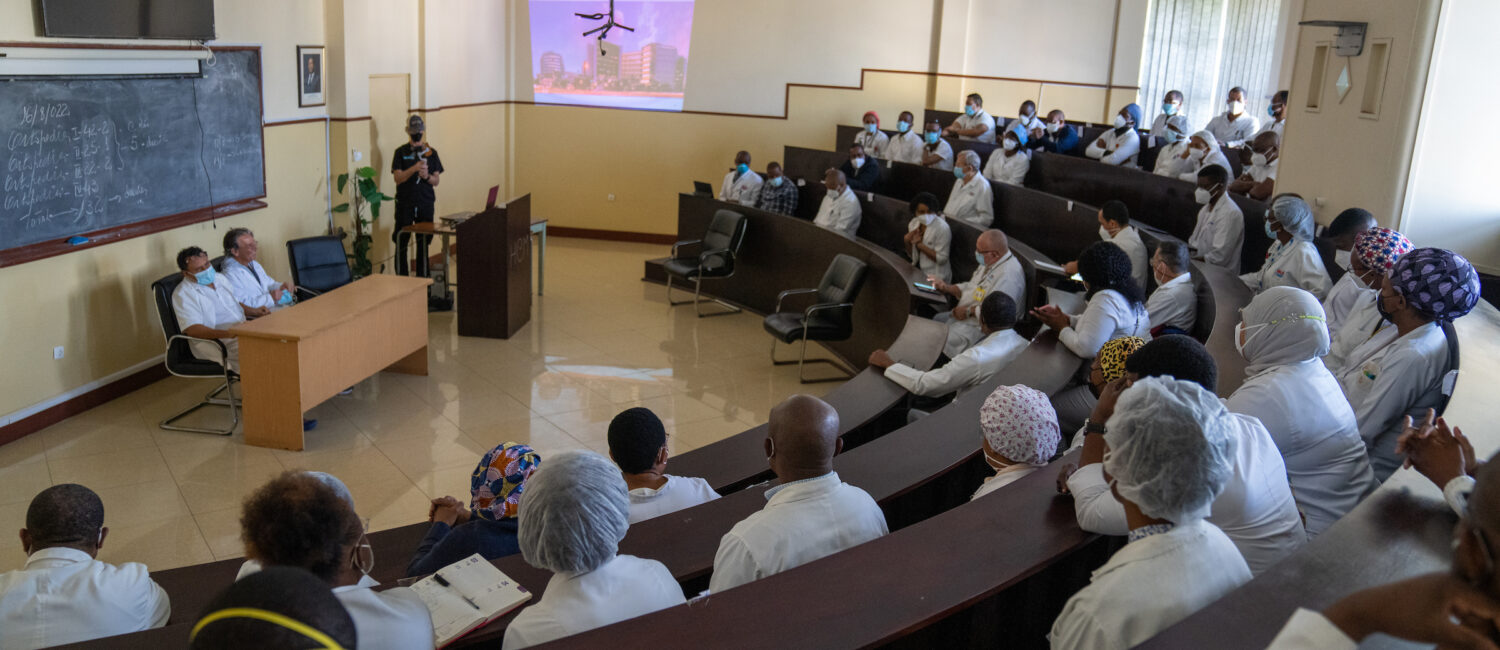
column 644, row 69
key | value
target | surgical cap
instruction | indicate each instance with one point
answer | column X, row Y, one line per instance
column 1018, row 422
column 1170, row 443
column 1439, row 283
column 1379, row 248
column 1283, row 326
column 1134, row 111
column 1209, row 139
column 497, row 482
column 1178, row 123
column 1018, row 131
column 1112, row 356
column 573, row 514
column 1294, row 216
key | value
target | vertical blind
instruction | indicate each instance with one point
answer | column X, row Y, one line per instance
column 1205, row 47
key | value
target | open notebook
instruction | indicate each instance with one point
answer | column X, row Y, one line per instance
column 467, row 595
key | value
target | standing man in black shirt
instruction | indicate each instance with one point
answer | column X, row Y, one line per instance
column 416, row 168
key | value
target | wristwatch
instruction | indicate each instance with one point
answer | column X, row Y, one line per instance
column 1090, row 426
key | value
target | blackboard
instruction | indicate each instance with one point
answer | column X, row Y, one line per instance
column 108, row 158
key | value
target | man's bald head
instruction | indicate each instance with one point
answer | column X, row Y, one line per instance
column 992, row 244
column 834, row 180
column 1265, row 140
column 802, row 438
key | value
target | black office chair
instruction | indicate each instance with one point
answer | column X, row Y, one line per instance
column 1450, row 380
column 181, row 362
column 1207, row 311
column 716, row 259
column 319, row 265
column 829, row 318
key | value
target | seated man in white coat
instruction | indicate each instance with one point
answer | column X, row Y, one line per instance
column 810, row 514
column 741, row 185
column 974, row 124
column 1341, row 234
column 1259, row 179
column 1220, row 232
column 906, row 146
column 929, row 239
column 206, row 309
column 1292, row 260
column 1234, row 126
column 248, row 280
column 1115, row 228
column 638, row 444
column 935, row 151
column 998, row 270
column 840, row 210
column 1173, row 306
column 1121, row 145
column 1000, row 345
column 971, row 200
column 1171, row 443
column 64, row 594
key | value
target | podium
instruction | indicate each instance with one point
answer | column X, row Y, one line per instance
column 494, row 278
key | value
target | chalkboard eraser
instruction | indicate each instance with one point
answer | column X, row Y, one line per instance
column 78, row 239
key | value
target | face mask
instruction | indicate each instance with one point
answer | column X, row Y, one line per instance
column 1120, row 121
column 1271, row 110
column 1202, row 196
column 857, row 162
column 932, row 138
column 903, row 126
column 1053, row 128
column 1028, row 114
column 1341, row 258
column 742, row 168
column 927, row 217
column 776, row 182
column 416, row 137
column 979, row 257
column 1169, row 109
column 1169, row 136
column 286, row 298
column 1195, row 154
column 1010, row 145
column 1235, row 108
column 1380, row 307
column 958, row 172
column 1270, row 232
column 992, row 462
column 870, row 127
column 1104, row 234
column 1240, row 329
column 969, row 110
column 1258, row 159
column 206, row 276
column 1360, row 280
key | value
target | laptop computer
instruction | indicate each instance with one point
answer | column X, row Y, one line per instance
column 701, row 188
column 494, row 195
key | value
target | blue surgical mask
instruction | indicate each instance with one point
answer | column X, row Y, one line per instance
column 206, row 276
column 870, row 127
column 969, row 110
column 932, row 137
column 1269, row 232
column 1169, row 109
column 979, row 257
column 903, row 126
column 776, row 182
column 286, row 298
column 742, row 168
column 958, row 172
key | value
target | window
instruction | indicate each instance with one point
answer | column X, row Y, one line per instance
column 1205, row 47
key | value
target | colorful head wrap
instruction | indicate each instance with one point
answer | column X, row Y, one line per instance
column 1439, row 283
column 874, row 115
column 1112, row 356
column 1379, row 248
column 497, row 482
column 1018, row 422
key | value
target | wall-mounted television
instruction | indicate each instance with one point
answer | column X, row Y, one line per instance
column 175, row 19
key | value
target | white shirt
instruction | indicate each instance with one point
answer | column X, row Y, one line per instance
column 677, row 493
column 1357, row 328
column 943, row 150
column 1276, row 126
column 1148, row 586
column 1129, row 240
column 971, row 367
column 1220, row 233
column 972, row 201
column 250, row 285
column 1341, row 299
column 907, row 148
column 1118, row 149
column 1008, row 169
column 1029, row 124
column 1233, row 134
column 1189, row 170
column 622, row 588
column 1385, row 382
column 875, row 144
column 1168, row 160
column 1174, row 304
column 802, row 521
column 395, row 618
column 1312, row 425
column 743, row 190
column 979, row 118
column 1003, row 478
column 938, row 237
column 840, row 212
column 1259, row 173
column 1256, row 509
column 1107, row 316
column 1310, row 630
column 213, row 307
column 1291, row 264
column 1004, row 275
column 63, row 596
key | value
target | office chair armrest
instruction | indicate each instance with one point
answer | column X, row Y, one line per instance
column 223, row 351
column 789, row 292
column 309, row 293
column 807, row 313
column 705, row 255
column 685, row 242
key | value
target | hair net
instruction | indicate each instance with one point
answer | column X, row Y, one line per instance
column 1134, row 111
column 1169, row 448
column 1439, row 283
column 1283, row 326
column 1018, row 131
column 1209, row 139
column 1019, row 423
column 1379, row 248
column 574, row 513
column 497, row 482
column 1178, row 123
column 1112, row 356
column 1294, row 216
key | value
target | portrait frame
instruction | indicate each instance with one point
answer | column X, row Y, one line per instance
column 311, row 81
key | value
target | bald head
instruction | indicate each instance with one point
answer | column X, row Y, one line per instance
column 802, row 438
column 993, row 245
column 835, row 180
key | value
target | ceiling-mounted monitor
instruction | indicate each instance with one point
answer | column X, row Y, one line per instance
column 172, row 19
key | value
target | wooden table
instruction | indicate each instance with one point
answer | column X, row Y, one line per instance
column 295, row 358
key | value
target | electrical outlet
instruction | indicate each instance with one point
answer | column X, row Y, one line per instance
column 57, row 352
column 358, row 155
column 611, row 197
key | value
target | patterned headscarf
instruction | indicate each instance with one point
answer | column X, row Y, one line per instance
column 496, row 485
column 1379, row 248
column 1111, row 357
column 1439, row 283
column 1019, row 423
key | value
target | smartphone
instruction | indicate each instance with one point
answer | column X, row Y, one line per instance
column 925, row 287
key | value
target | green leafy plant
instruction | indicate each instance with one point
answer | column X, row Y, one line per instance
column 366, row 194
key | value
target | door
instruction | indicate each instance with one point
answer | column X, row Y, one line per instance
column 390, row 105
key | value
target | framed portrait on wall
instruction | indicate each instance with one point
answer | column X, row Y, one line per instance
column 310, row 75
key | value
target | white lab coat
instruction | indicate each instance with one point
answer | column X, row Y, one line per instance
column 250, row 285
column 1107, row 316
column 1385, row 382
column 1310, row 630
column 1276, row 126
column 1220, row 233
column 1148, row 586
column 743, row 190
column 1301, row 406
column 840, row 212
column 907, row 148
column 1233, row 133
column 1256, row 509
column 1008, row 169
column 1364, row 325
column 622, row 588
column 1118, row 149
column 938, row 237
column 64, row 596
column 1340, row 300
column 970, row 368
column 802, row 521
column 1005, row 276
column 1129, row 240
column 1259, row 173
column 212, row 307
column 972, row 200
column 395, row 618
column 677, row 493
column 875, row 145
column 1174, row 304
column 1168, row 161
column 979, row 118
column 1003, row 478
column 943, row 150
column 1158, row 127
column 1291, row 264
column 1189, row 170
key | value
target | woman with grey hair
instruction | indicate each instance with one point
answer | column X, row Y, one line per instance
column 1293, row 260
column 574, row 512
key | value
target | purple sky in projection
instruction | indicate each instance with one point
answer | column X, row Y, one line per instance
column 554, row 28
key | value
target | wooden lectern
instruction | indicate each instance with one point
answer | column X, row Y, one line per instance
column 494, row 276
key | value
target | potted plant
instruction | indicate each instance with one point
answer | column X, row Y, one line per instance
column 366, row 193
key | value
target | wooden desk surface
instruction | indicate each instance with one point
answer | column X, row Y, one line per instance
column 344, row 303
column 429, row 228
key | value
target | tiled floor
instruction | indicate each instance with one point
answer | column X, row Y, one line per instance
column 600, row 341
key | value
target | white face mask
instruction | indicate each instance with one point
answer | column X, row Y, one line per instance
column 1104, row 234
column 1239, row 330
column 857, row 162
column 1120, row 121
column 1341, row 258
column 1053, row 128
column 927, row 217
column 1236, row 108
column 1202, row 196
column 1010, row 145
column 1258, row 159
column 1195, row 154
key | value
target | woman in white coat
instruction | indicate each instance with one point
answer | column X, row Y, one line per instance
column 1282, row 335
column 928, row 238
column 1174, row 138
column 1293, row 260
column 1020, row 435
column 1202, row 151
column 1012, row 161
column 1116, row 305
column 972, row 200
column 1375, row 252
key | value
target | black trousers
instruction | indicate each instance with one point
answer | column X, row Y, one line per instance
column 406, row 215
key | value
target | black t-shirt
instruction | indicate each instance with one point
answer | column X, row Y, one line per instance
column 415, row 190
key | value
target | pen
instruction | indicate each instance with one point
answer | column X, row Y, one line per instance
column 439, row 578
